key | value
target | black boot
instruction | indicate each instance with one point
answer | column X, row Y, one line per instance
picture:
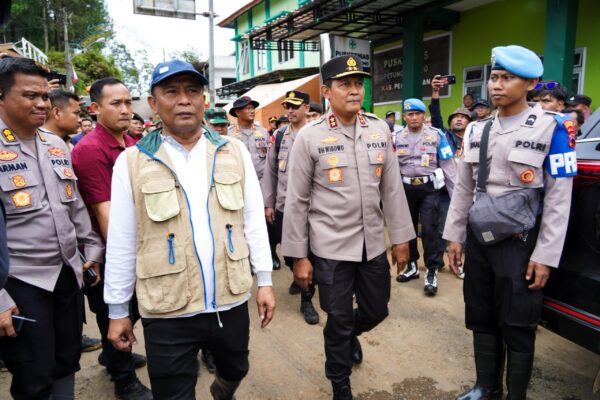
column 518, row 374
column 131, row 388
column 357, row 353
column 209, row 361
column 342, row 390
column 222, row 389
column 489, row 366
column 275, row 258
column 306, row 307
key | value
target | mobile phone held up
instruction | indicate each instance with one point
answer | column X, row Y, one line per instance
column 62, row 78
column 447, row 79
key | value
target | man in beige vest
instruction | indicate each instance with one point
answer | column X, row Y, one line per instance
column 187, row 223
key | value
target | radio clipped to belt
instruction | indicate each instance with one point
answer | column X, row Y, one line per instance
column 493, row 219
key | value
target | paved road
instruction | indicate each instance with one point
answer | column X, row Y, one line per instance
column 422, row 351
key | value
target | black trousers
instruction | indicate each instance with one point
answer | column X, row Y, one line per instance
column 338, row 281
column 119, row 364
column 424, row 203
column 497, row 300
column 173, row 343
column 48, row 349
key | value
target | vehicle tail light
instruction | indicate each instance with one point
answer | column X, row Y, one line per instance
column 588, row 171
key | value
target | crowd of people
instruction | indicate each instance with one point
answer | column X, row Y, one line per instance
column 171, row 223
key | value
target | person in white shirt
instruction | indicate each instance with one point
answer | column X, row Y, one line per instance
column 187, row 227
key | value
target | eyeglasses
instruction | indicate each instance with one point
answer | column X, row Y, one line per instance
column 546, row 85
column 290, row 106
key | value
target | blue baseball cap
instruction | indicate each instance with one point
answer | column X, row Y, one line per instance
column 169, row 69
column 517, row 60
column 414, row 105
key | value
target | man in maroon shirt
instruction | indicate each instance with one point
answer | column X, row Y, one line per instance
column 93, row 161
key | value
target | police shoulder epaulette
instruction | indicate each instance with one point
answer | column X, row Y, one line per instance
column 370, row 115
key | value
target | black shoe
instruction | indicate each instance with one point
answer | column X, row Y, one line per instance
column 310, row 314
column 89, row 344
column 518, row 374
column 342, row 390
column 357, row 353
column 294, row 288
column 3, row 366
column 276, row 264
column 411, row 272
column 139, row 360
column 431, row 282
column 131, row 388
column 489, row 366
column 209, row 361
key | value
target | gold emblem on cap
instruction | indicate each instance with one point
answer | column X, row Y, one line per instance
column 351, row 63
column 292, row 95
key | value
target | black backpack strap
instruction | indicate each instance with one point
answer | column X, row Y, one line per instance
column 278, row 139
column 483, row 148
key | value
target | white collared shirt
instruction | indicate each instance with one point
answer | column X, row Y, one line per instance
column 190, row 167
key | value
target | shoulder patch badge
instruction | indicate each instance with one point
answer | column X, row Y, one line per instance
column 21, row 199
column 7, row 155
column 329, row 140
column 56, row 151
column 8, row 135
column 570, row 128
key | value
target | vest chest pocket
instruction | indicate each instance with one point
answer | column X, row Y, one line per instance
column 20, row 192
column 228, row 185
column 160, row 198
column 525, row 168
column 238, row 265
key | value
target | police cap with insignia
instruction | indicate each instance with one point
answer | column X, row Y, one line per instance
column 241, row 103
column 296, row 98
column 218, row 116
column 579, row 99
column 273, row 119
column 414, row 105
column 341, row 67
column 517, row 60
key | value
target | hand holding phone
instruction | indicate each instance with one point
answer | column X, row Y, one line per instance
column 447, row 79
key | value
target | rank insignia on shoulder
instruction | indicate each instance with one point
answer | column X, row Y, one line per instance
column 7, row 155
column 333, row 160
column 335, row 175
column 527, row 176
column 329, row 140
column 8, row 135
column 18, row 181
column 56, row 151
column 531, row 120
column 69, row 190
column 68, row 172
column 361, row 120
column 378, row 171
column 373, row 136
column 333, row 122
column 21, row 199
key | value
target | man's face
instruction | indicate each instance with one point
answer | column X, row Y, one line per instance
column 346, row 95
column 584, row 109
column 221, row 129
column 459, row 122
column 551, row 103
column 312, row 116
column 136, row 127
column 273, row 124
column 482, row 111
column 27, row 101
column 414, row 120
column 506, row 89
column 68, row 117
column 296, row 114
column 86, row 126
column 246, row 114
column 391, row 118
column 114, row 108
column 179, row 101
column 468, row 101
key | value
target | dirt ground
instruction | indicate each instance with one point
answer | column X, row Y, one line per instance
column 421, row 351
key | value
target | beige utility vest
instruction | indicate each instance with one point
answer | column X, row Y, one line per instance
column 169, row 275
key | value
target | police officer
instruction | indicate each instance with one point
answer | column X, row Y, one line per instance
column 47, row 224
column 342, row 168
column 274, row 185
column 528, row 148
column 254, row 137
column 217, row 120
column 426, row 164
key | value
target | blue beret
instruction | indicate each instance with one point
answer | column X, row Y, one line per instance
column 517, row 60
column 414, row 105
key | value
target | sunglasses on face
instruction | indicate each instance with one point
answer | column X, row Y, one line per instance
column 546, row 85
column 289, row 106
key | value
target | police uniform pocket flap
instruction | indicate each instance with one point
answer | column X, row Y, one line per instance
column 65, row 173
column 161, row 199
column 17, row 181
column 228, row 185
column 533, row 158
column 377, row 157
column 334, row 160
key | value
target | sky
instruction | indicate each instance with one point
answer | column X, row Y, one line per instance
column 161, row 36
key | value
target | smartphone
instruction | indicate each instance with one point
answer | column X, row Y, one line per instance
column 89, row 276
column 62, row 79
column 448, row 79
column 18, row 322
